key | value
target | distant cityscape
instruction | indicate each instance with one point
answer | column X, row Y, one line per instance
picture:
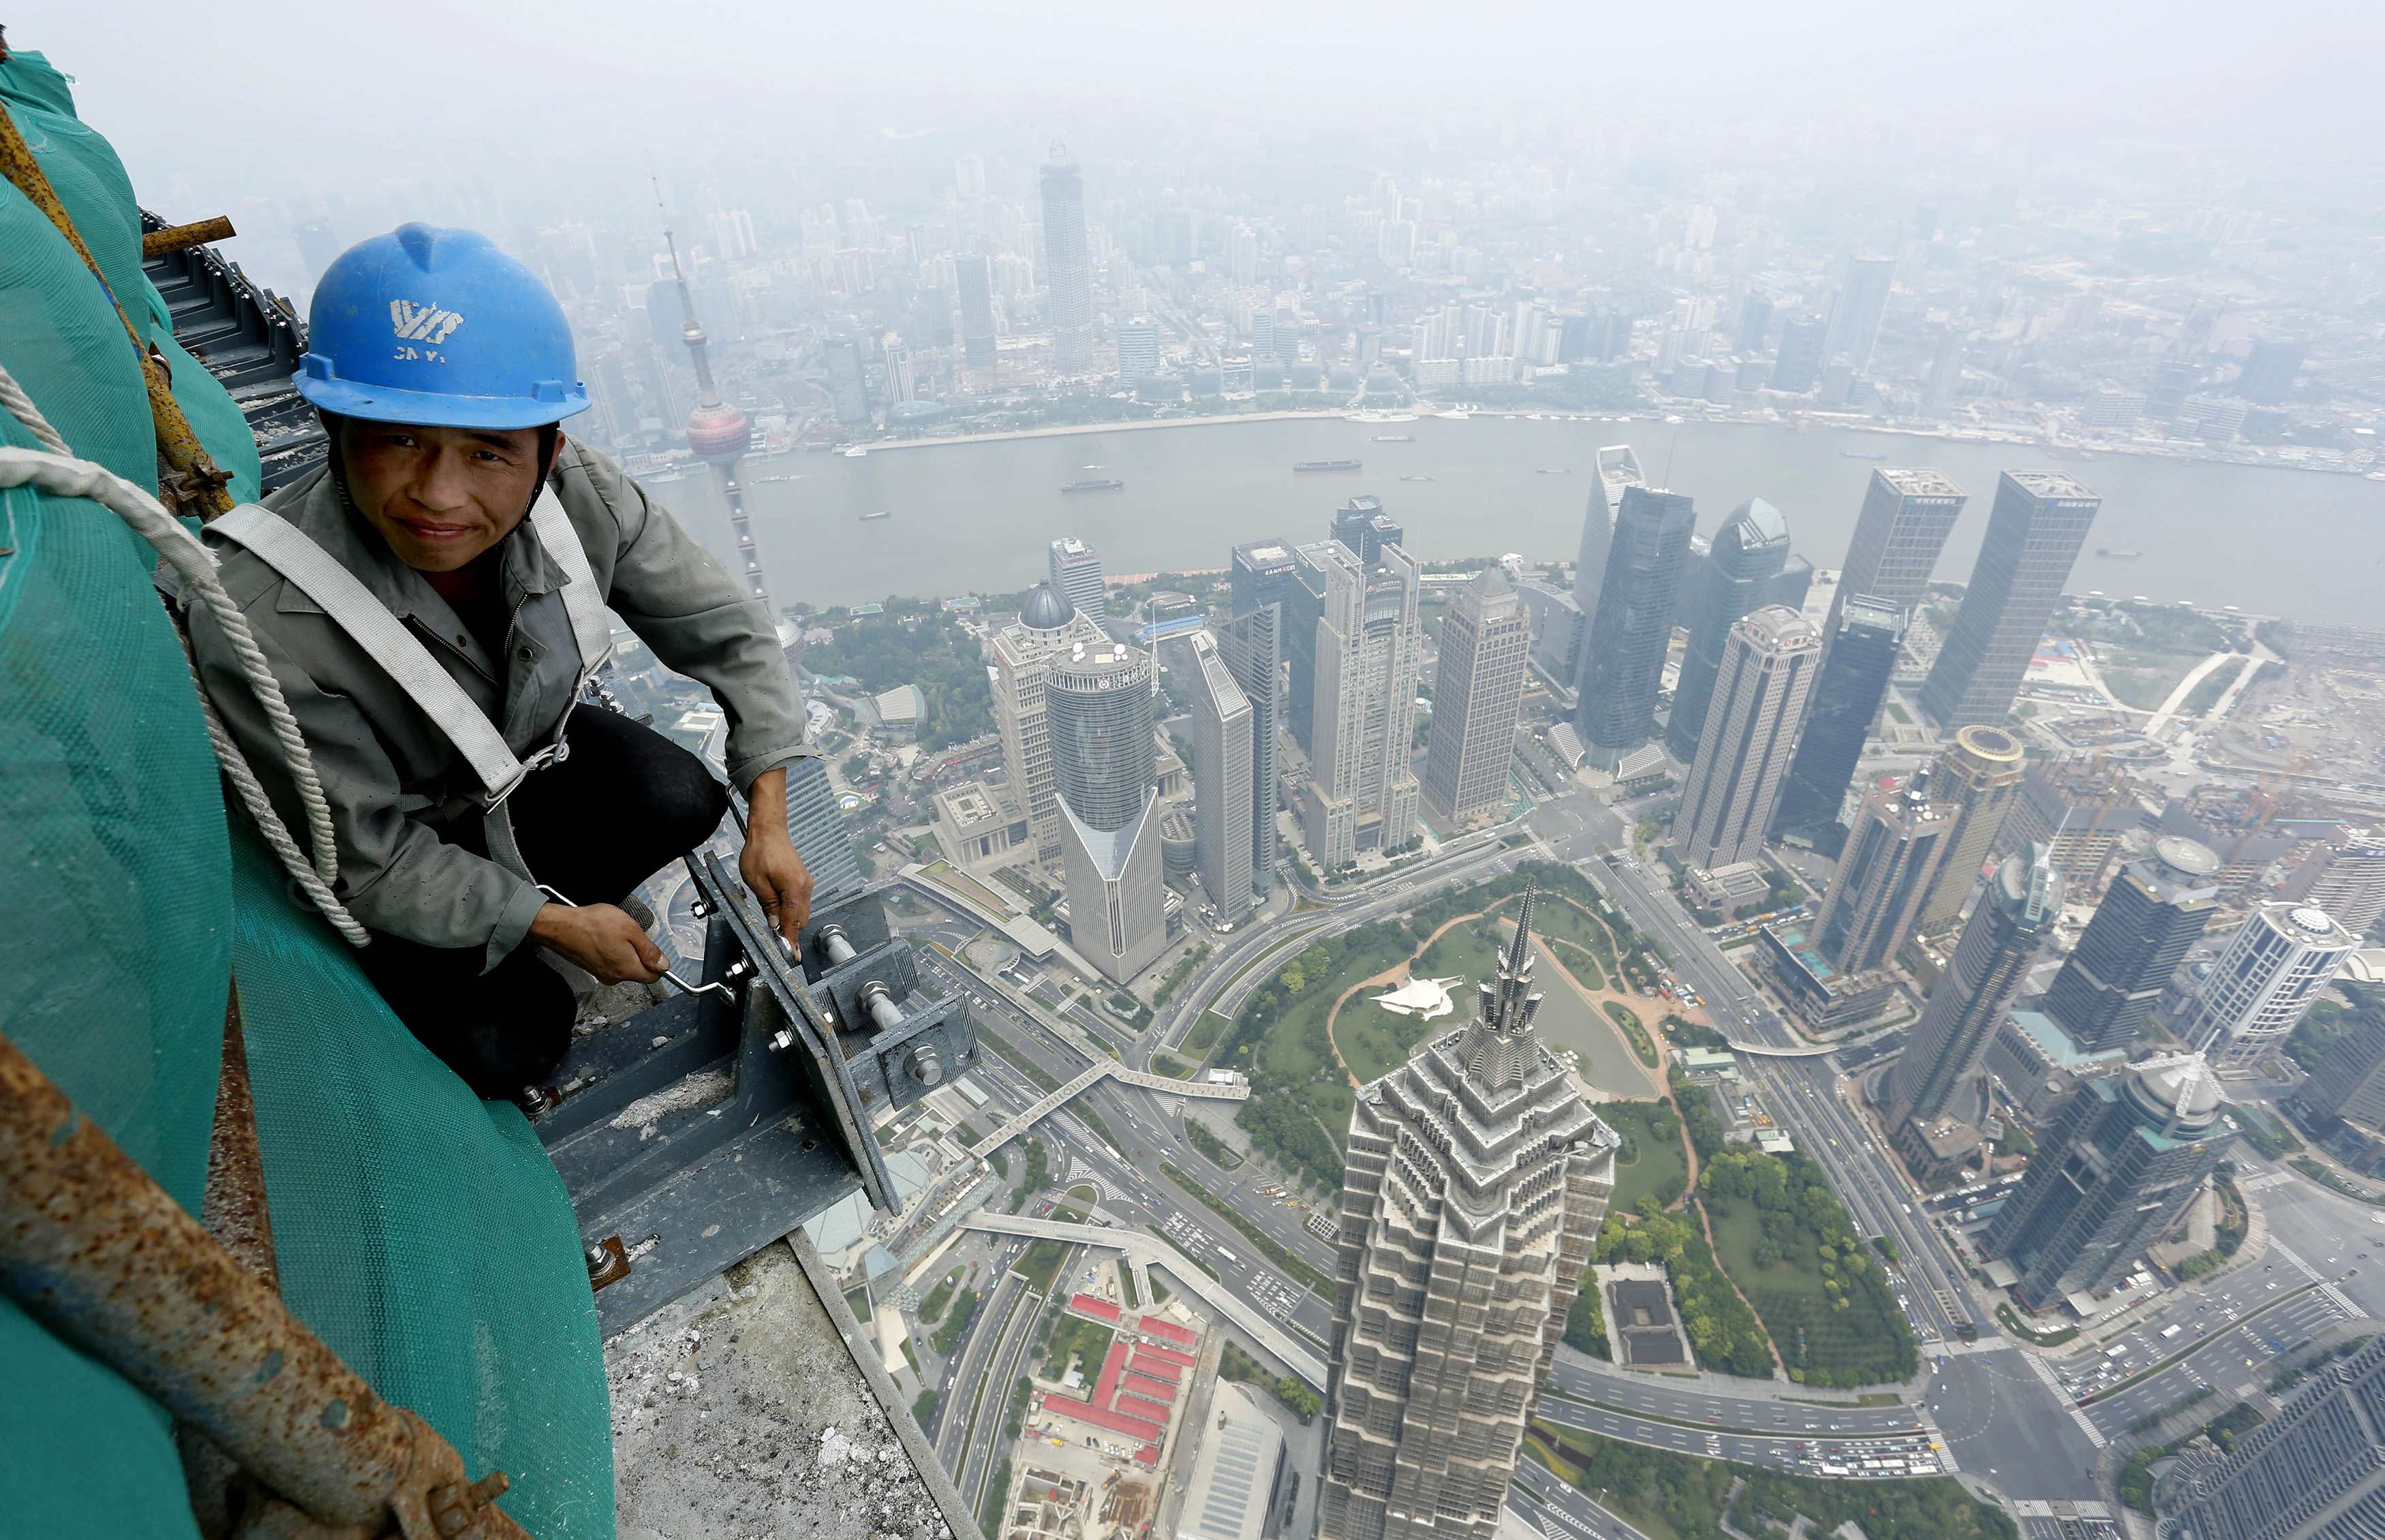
column 1656, row 1037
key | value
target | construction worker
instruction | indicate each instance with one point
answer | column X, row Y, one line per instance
column 433, row 602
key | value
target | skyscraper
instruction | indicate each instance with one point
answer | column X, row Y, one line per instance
column 1797, row 364
column 1857, row 663
column 974, row 276
column 1882, row 875
column 1619, row 467
column 1223, row 723
column 1742, row 761
column 719, row 435
column 1076, row 572
column 1048, row 628
column 1978, row 777
column 2150, row 917
column 1967, row 1005
column 1069, row 278
column 2268, row 977
column 1856, row 313
column 1361, row 795
column 2040, row 521
column 2346, row 878
column 1903, row 526
column 1098, row 707
column 1632, row 624
column 2113, row 1174
column 1478, row 693
column 817, row 830
column 1363, row 528
column 1138, row 347
column 2269, row 370
column 1474, row 1186
column 1252, row 646
column 1747, row 566
column 2313, row 1471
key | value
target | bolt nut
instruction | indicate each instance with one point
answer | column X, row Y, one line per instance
column 782, row 1040
column 924, row 1064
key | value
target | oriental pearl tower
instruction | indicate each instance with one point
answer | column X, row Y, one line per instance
column 716, row 431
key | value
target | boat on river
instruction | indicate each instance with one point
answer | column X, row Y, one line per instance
column 1106, row 483
column 1306, row 467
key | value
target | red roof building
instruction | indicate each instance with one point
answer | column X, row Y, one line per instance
column 1148, row 1455
column 1099, row 1310
column 1146, row 1362
column 1164, row 1355
column 1168, row 1332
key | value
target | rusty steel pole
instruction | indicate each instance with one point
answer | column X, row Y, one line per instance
column 97, row 1251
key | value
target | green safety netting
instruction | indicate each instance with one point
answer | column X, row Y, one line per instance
column 422, row 1232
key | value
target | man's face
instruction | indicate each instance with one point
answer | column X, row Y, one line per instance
column 441, row 496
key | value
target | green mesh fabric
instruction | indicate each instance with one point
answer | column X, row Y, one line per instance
column 423, row 1234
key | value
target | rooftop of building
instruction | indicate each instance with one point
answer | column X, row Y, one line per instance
column 2059, row 1048
column 2051, row 485
column 1921, row 482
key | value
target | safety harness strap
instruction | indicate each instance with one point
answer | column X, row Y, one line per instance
column 590, row 628
column 281, row 546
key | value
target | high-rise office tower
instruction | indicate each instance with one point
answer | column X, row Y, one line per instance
column 1047, row 628
column 1856, row 666
column 1076, row 572
column 1755, row 322
column 1364, row 528
column 1069, row 278
column 1474, row 1187
column 2115, row 1168
column 1138, row 347
column 1977, row 778
column 2269, row 370
column 2150, row 917
column 719, row 435
column 1223, row 797
column 1252, row 646
column 1875, row 895
column 974, row 277
column 1742, row 761
column 1097, row 704
column 2034, row 532
column 1623, row 658
column 2349, row 1088
column 1905, row 517
column 1797, row 366
column 2346, row 878
column 2267, row 977
column 1618, row 469
column 848, row 388
column 1361, row 795
column 1746, row 568
column 1858, row 311
column 817, row 830
column 1263, row 574
column 2015, row 915
column 1477, row 694
column 2313, row 1471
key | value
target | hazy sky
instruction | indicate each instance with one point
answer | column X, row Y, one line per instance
column 323, row 91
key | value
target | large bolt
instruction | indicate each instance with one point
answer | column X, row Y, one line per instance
column 924, row 1064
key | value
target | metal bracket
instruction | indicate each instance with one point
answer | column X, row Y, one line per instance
column 706, row 1127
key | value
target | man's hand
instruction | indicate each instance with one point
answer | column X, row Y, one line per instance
column 769, row 865
column 600, row 938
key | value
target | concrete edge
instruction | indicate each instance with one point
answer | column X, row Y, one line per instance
column 906, row 1428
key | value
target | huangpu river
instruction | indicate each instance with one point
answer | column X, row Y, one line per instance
column 977, row 516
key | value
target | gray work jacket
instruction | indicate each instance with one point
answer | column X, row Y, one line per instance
column 392, row 777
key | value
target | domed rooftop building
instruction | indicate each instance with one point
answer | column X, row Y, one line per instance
column 1046, row 608
column 2113, row 1175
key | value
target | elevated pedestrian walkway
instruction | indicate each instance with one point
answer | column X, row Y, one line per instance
column 1142, row 1251
column 1052, row 1101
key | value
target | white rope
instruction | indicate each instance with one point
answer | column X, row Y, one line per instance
column 59, row 473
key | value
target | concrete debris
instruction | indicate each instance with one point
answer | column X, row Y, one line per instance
column 743, row 1415
column 699, row 1090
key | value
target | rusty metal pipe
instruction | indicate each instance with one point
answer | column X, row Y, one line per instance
column 158, row 242
column 94, row 1249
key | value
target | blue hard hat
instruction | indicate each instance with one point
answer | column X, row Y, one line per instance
column 438, row 327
